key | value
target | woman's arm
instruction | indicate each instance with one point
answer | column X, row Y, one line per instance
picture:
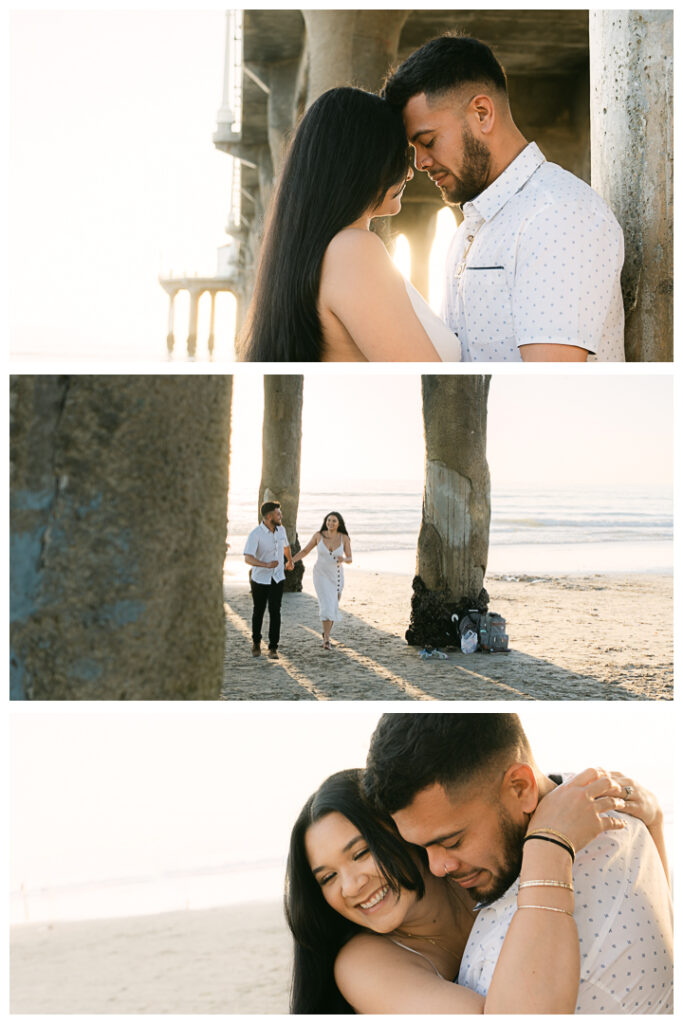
column 641, row 803
column 347, row 548
column 538, row 968
column 309, row 547
column 363, row 288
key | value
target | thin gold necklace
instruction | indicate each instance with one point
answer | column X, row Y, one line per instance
column 428, row 938
column 451, row 894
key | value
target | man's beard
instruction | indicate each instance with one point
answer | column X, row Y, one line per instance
column 476, row 164
column 511, row 835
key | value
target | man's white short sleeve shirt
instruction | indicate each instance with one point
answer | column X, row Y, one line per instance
column 624, row 918
column 268, row 546
column 537, row 260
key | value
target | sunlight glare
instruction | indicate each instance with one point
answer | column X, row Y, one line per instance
column 445, row 227
column 402, row 255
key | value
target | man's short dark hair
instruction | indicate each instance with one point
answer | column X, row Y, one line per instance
column 410, row 752
column 269, row 506
column 443, row 64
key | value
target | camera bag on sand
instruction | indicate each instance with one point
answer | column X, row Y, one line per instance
column 490, row 630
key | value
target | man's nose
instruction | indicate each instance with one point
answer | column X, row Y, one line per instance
column 442, row 862
column 422, row 159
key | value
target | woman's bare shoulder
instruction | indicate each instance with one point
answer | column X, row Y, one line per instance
column 366, row 947
column 356, row 243
column 376, row 976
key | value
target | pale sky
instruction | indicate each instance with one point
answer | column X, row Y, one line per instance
column 120, row 792
column 114, row 177
column 569, row 429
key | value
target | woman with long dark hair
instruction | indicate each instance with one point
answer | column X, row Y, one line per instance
column 326, row 288
column 333, row 545
column 375, row 932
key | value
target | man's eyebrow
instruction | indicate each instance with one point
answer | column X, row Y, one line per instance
column 422, row 131
column 345, row 849
column 442, row 839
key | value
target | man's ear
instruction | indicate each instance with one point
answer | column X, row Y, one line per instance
column 483, row 112
column 519, row 788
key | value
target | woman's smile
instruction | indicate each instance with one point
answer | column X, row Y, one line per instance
column 374, row 901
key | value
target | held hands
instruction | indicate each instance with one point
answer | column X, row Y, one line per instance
column 289, row 565
column 576, row 807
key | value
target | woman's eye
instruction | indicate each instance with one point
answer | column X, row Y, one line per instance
column 361, row 853
column 326, row 878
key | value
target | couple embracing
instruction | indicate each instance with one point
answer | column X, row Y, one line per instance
column 533, row 271
column 454, row 876
column 268, row 553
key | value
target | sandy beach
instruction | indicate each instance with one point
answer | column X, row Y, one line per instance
column 572, row 637
column 225, row 960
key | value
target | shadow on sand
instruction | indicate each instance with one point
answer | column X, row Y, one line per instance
column 376, row 665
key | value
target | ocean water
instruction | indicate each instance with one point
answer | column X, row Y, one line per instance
column 263, row 880
column 231, row 884
column 533, row 530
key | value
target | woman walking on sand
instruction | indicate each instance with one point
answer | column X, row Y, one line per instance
column 333, row 545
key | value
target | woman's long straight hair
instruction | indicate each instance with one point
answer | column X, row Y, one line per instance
column 319, row 931
column 348, row 151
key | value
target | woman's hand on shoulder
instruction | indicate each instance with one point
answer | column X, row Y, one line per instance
column 640, row 802
column 580, row 808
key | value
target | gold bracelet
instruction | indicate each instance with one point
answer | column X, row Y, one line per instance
column 554, row 832
column 555, row 910
column 547, row 881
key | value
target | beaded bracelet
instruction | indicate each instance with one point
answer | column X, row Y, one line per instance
column 547, row 839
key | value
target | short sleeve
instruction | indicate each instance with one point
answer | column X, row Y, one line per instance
column 567, row 274
column 251, row 545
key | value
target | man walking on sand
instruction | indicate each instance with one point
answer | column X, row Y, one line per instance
column 267, row 552
column 533, row 271
column 464, row 786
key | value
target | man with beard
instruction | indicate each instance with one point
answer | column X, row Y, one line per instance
column 464, row 787
column 268, row 553
column 533, row 272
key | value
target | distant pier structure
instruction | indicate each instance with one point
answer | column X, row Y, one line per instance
column 229, row 276
column 225, row 280
column 593, row 89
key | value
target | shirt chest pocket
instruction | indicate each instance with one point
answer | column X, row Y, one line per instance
column 487, row 306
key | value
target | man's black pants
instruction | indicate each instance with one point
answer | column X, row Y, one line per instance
column 269, row 594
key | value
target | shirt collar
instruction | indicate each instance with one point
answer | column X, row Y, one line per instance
column 271, row 533
column 515, row 175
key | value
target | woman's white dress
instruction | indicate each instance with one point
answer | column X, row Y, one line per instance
column 442, row 338
column 328, row 580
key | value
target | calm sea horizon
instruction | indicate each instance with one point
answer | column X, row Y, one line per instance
column 534, row 530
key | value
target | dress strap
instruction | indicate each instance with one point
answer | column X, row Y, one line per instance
column 417, row 953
